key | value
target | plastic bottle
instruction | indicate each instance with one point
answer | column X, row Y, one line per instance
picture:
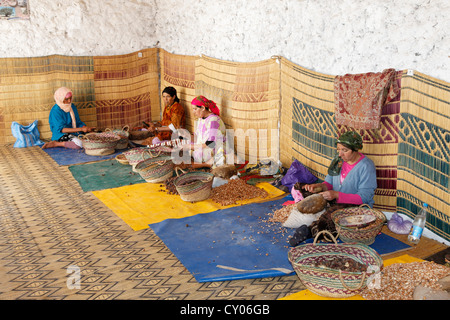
column 418, row 225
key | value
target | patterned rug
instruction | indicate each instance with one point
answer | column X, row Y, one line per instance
column 53, row 234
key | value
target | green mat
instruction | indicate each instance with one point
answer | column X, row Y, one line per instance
column 104, row 175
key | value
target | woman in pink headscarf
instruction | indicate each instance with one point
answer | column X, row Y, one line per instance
column 210, row 137
column 65, row 123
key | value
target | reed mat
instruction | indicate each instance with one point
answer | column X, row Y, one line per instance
column 49, row 227
column 142, row 204
column 178, row 71
column 28, row 86
column 247, row 95
column 308, row 130
column 424, row 151
column 126, row 88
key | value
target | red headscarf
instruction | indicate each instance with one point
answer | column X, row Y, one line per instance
column 201, row 101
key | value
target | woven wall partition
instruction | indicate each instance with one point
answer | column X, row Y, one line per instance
column 178, row 71
column 424, row 150
column 308, row 130
column 247, row 95
column 109, row 91
column 127, row 88
column 28, row 85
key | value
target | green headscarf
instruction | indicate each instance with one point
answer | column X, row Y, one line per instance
column 350, row 139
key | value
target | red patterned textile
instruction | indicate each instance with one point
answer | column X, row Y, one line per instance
column 359, row 98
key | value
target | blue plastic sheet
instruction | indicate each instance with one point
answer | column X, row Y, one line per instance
column 66, row 157
column 239, row 243
column 229, row 244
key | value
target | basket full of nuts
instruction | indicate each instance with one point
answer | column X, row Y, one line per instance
column 194, row 186
column 370, row 224
column 334, row 270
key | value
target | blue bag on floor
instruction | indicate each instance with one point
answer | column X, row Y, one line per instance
column 26, row 136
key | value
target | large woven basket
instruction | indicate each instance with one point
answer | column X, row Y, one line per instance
column 157, row 169
column 99, row 144
column 328, row 282
column 194, row 186
column 123, row 134
column 365, row 235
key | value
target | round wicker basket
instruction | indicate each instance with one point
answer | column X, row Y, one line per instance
column 123, row 134
column 156, row 170
column 329, row 282
column 365, row 235
column 194, row 186
column 99, row 144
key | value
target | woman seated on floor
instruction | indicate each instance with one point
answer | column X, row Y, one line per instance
column 173, row 114
column 351, row 176
column 208, row 148
column 65, row 123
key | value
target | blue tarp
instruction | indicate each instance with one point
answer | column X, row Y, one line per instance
column 66, row 157
column 238, row 243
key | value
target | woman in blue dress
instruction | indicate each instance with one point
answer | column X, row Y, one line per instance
column 65, row 122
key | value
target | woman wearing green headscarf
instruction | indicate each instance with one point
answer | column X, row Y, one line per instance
column 351, row 176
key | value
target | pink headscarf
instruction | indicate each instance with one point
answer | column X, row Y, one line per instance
column 201, row 101
column 61, row 94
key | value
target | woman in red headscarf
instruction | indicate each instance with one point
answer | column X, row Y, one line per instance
column 210, row 134
column 65, row 123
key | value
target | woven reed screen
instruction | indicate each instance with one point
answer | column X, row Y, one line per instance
column 127, row 88
column 178, row 71
column 424, row 155
column 109, row 91
column 308, row 131
column 28, row 85
column 247, row 95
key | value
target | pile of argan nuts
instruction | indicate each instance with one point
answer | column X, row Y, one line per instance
column 398, row 281
column 235, row 190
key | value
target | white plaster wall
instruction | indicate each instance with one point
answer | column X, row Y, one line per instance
column 328, row 36
column 80, row 27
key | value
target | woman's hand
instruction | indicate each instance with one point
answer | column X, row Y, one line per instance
column 330, row 195
column 87, row 129
column 314, row 188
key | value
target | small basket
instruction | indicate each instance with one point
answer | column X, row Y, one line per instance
column 155, row 170
column 120, row 158
column 365, row 235
column 328, row 282
column 194, row 186
column 99, row 144
column 123, row 134
column 136, row 155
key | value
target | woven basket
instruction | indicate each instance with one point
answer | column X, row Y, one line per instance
column 157, row 169
column 139, row 135
column 99, row 144
column 194, row 186
column 365, row 235
column 328, row 282
column 120, row 158
column 123, row 134
column 136, row 155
